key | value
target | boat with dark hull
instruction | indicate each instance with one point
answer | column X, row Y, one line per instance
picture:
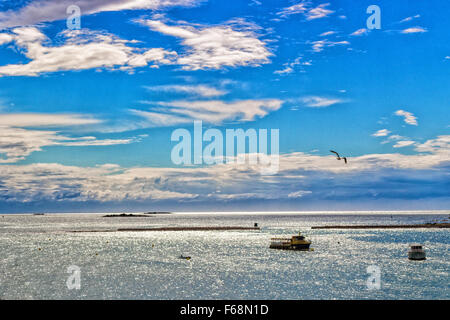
column 297, row 242
column 416, row 252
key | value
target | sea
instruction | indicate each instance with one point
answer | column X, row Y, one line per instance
column 42, row 258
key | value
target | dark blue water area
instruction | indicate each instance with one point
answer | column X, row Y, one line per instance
column 406, row 236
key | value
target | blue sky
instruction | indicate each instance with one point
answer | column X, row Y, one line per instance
column 86, row 115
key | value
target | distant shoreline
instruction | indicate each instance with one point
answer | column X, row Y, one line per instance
column 401, row 226
column 212, row 228
column 145, row 214
column 273, row 212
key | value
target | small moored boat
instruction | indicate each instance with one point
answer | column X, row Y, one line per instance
column 298, row 242
column 416, row 252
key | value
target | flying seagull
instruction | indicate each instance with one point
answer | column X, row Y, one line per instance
column 339, row 157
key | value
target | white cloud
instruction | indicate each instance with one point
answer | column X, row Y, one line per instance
column 397, row 137
column 286, row 70
column 319, row 102
column 327, row 33
column 307, row 162
column 360, row 32
column 83, row 49
column 212, row 47
column 289, row 67
column 45, row 120
column 401, row 141
column 414, row 30
column 319, row 45
column 208, row 47
column 16, row 144
column 410, row 18
column 404, row 143
column 305, row 8
column 158, row 119
column 5, row 38
column 211, row 111
column 199, row 90
column 52, row 10
column 300, row 175
column 17, row 141
column 294, row 9
column 440, row 145
column 255, row 3
column 381, row 133
column 318, row 12
column 409, row 118
column 55, row 182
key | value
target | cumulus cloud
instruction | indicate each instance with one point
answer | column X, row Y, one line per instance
column 434, row 157
column 301, row 176
column 207, row 47
column 212, row 47
column 51, row 10
column 211, row 111
column 83, row 49
column 408, row 117
column 440, row 145
column 55, row 182
column 5, row 38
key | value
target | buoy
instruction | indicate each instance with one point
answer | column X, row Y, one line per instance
column 39, row 249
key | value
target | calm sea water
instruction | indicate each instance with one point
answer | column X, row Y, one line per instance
column 224, row 264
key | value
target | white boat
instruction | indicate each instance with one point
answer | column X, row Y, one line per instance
column 416, row 252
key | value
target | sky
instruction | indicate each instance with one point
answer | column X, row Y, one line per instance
column 87, row 110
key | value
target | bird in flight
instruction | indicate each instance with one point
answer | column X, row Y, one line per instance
column 339, row 157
